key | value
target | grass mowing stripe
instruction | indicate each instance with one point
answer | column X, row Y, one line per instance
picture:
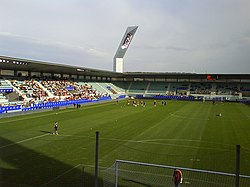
column 52, row 180
column 49, row 114
column 142, row 132
column 32, row 117
column 25, row 140
column 157, row 124
column 153, row 142
column 146, row 134
column 180, row 145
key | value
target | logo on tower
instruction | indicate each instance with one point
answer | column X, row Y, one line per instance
column 123, row 47
column 127, row 41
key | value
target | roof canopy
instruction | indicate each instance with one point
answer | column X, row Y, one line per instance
column 11, row 63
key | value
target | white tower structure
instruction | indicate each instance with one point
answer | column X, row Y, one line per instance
column 122, row 49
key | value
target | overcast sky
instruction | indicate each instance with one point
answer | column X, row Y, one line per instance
column 193, row 36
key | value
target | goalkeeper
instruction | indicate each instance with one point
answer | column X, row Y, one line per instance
column 177, row 177
column 56, row 128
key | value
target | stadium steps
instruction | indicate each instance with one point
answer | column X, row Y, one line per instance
column 111, row 89
column 129, row 87
column 147, row 88
column 189, row 86
column 101, row 87
column 115, row 88
column 120, row 90
column 137, row 88
column 213, row 89
column 45, row 89
column 98, row 87
column 105, row 86
column 168, row 88
column 4, row 84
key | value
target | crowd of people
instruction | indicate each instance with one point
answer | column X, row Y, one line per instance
column 30, row 89
column 55, row 90
column 34, row 91
column 67, row 90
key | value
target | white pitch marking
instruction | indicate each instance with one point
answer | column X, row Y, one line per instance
column 49, row 114
column 25, row 140
column 154, row 142
column 32, row 117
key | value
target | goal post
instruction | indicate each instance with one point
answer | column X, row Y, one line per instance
column 131, row 173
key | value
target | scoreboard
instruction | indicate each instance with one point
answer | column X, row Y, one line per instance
column 213, row 77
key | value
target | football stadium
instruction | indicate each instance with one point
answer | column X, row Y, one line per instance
column 121, row 129
column 64, row 125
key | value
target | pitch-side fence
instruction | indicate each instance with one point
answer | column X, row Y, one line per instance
column 129, row 173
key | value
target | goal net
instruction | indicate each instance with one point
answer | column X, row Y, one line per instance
column 129, row 173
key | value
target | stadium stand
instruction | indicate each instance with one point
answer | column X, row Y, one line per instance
column 31, row 92
column 29, row 89
column 245, row 90
column 227, row 89
column 138, row 87
column 28, row 85
column 47, row 94
column 158, row 88
column 200, row 88
column 122, row 86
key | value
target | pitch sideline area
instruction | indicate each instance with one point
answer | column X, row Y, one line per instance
column 146, row 134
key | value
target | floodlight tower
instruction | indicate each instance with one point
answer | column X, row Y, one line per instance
column 122, row 49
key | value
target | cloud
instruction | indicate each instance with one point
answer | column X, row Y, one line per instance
column 174, row 48
column 208, row 35
column 58, row 52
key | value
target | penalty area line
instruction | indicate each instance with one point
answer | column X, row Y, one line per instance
column 25, row 140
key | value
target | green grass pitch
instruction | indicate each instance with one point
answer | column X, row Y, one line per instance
column 183, row 133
